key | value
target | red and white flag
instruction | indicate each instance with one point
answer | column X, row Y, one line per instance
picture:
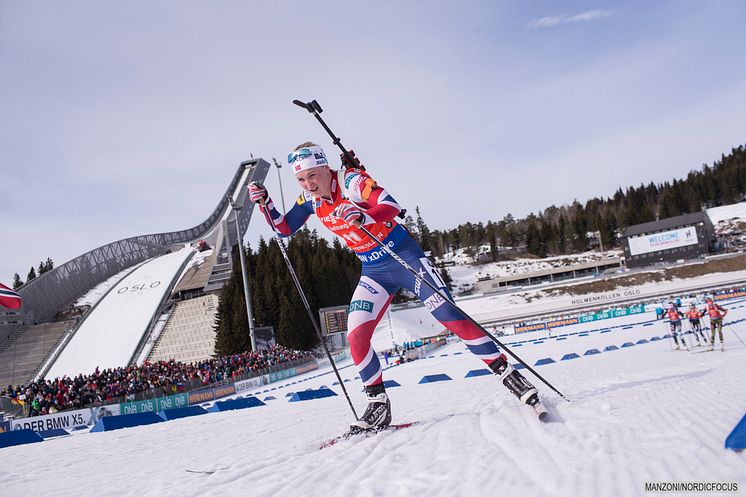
column 9, row 298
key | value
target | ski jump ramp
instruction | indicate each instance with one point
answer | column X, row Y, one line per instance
column 113, row 331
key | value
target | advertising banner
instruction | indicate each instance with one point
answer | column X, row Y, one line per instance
column 730, row 295
column 101, row 411
column 201, row 395
column 612, row 313
column 225, row 390
column 155, row 405
column 66, row 420
column 4, row 426
column 281, row 375
column 530, row 327
column 305, row 368
column 557, row 323
column 662, row 241
column 250, row 384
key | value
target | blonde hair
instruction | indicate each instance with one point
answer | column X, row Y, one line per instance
column 304, row 145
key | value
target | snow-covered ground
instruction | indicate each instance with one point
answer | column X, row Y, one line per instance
column 410, row 324
column 640, row 413
column 727, row 212
column 464, row 274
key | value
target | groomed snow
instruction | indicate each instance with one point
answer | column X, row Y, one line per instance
column 727, row 212
column 637, row 414
column 417, row 322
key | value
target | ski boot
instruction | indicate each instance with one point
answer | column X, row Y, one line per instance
column 378, row 414
column 514, row 381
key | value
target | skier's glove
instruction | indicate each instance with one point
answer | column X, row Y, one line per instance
column 257, row 193
column 349, row 214
column 352, row 161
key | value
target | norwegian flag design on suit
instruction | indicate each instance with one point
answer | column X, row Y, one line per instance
column 9, row 298
column 381, row 275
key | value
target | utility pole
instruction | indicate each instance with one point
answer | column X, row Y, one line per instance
column 242, row 255
column 279, row 178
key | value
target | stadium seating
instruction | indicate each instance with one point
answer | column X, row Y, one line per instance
column 23, row 355
column 188, row 335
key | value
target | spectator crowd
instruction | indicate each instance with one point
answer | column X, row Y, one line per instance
column 119, row 384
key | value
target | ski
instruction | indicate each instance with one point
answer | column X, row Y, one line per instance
column 538, row 408
column 365, row 434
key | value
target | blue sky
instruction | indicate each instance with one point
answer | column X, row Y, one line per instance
column 127, row 118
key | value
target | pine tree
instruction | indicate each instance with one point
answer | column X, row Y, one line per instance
column 49, row 265
column 424, row 232
column 446, row 278
column 31, row 274
column 231, row 324
column 533, row 242
column 294, row 328
column 17, row 282
column 410, row 225
column 562, row 235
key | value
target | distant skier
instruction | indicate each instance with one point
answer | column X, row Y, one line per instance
column 342, row 198
column 716, row 313
column 674, row 318
column 694, row 316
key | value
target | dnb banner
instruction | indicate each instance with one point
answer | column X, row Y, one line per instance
column 156, row 404
column 583, row 318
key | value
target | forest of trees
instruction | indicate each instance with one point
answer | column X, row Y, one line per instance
column 327, row 272
column 562, row 230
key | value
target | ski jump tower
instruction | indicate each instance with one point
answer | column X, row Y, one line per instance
column 53, row 292
column 59, row 288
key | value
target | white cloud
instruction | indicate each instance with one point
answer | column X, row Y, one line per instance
column 587, row 16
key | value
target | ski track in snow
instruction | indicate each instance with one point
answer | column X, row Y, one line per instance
column 642, row 413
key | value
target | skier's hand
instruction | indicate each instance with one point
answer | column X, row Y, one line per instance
column 352, row 161
column 257, row 193
column 349, row 214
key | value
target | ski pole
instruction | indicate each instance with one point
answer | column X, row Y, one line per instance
column 314, row 108
column 739, row 338
column 671, row 338
column 308, row 308
column 409, row 268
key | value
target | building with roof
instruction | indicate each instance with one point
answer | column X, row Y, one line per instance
column 689, row 236
column 553, row 275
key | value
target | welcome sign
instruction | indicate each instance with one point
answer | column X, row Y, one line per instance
column 663, row 241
